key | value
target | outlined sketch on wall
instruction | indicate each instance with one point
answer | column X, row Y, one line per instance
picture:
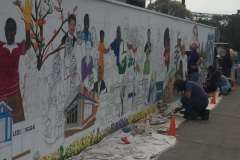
column 110, row 108
column 128, row 92
column 54, row 113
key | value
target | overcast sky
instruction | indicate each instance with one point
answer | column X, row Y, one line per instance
column 211, row 6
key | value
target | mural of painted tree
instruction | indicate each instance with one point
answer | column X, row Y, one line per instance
column 43, row 8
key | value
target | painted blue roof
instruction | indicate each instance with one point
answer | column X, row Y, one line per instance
column 80, row 96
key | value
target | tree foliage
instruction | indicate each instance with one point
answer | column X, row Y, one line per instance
column 170, row 7
column 229, row 26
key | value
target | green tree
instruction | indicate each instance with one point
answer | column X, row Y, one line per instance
column 229, row 26
column 230, row 31
column 170, row 7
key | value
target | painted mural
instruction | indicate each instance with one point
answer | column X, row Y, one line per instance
column 71, row 73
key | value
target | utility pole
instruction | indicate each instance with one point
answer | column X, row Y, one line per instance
column 183, row 3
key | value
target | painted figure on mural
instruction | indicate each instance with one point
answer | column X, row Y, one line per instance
column 147, row 50
column 10, row 53
column 78, row 33
column 152, row 89
column 94, row 37
column 195, row 33
column 102, row 50
column 86, row 35
column 179, row 72
column 167, row 48
column 87, row 62
column 209, row 48
column 69, row 52
column 54, row 116
column 74, row 74
column 117, row 47
column 99, row 86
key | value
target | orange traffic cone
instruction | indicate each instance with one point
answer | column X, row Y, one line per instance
column 213, row 101
column 172, row 128
column 234, row 84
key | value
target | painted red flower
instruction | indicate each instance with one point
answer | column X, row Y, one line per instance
column 32, row 35
column 62, row 17
column 35, row 46
column 36, row 24
column 56, row 8
column 40, row 22
column 19, row 3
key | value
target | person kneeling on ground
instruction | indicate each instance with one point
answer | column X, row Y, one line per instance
column 194, row 100
column 211, row 81
column 223, row 83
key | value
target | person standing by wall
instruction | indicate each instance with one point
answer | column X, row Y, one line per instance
column 226, row 62
column 194, row 60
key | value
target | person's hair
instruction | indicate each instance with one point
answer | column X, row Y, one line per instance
column 218, row 74
column 211, row 68
column 11, row 20
column 101, row 33
column 72, row 17
column 179, row 84
column 166, row 36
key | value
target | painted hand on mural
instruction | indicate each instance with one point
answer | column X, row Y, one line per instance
column 27, row 11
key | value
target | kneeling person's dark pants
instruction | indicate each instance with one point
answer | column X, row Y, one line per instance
column 194, row 107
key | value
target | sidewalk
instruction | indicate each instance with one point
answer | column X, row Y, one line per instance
column 215, row 139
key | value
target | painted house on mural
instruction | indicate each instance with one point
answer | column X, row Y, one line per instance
column 81, row 70
column 80, row 108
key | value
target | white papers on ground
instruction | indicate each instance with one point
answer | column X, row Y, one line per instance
column 141, row 147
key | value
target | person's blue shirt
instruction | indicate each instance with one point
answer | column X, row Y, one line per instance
column 197, row 91
column 192, row 60
column 223, row 81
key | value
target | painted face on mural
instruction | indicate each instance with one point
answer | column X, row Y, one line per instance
column 86, row 23
column 118, row 33
column 102, row 37
column 56, row 65
column 10, row 32
column 71, row 27
column 148, row 35
column 99, row 73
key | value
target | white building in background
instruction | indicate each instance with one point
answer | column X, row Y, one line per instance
column 139, row 3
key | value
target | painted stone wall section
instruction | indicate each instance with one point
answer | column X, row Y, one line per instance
column 73, row 72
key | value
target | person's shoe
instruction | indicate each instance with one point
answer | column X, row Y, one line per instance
column 190, row 118
column 206, row 115
column 182, row 112
column 229, row 90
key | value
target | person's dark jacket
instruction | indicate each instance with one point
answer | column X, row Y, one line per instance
column 211, row 84
column 227, row 62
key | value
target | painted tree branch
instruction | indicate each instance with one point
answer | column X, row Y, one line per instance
column 37, row 26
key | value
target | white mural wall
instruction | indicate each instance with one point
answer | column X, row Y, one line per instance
column 84, row 70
